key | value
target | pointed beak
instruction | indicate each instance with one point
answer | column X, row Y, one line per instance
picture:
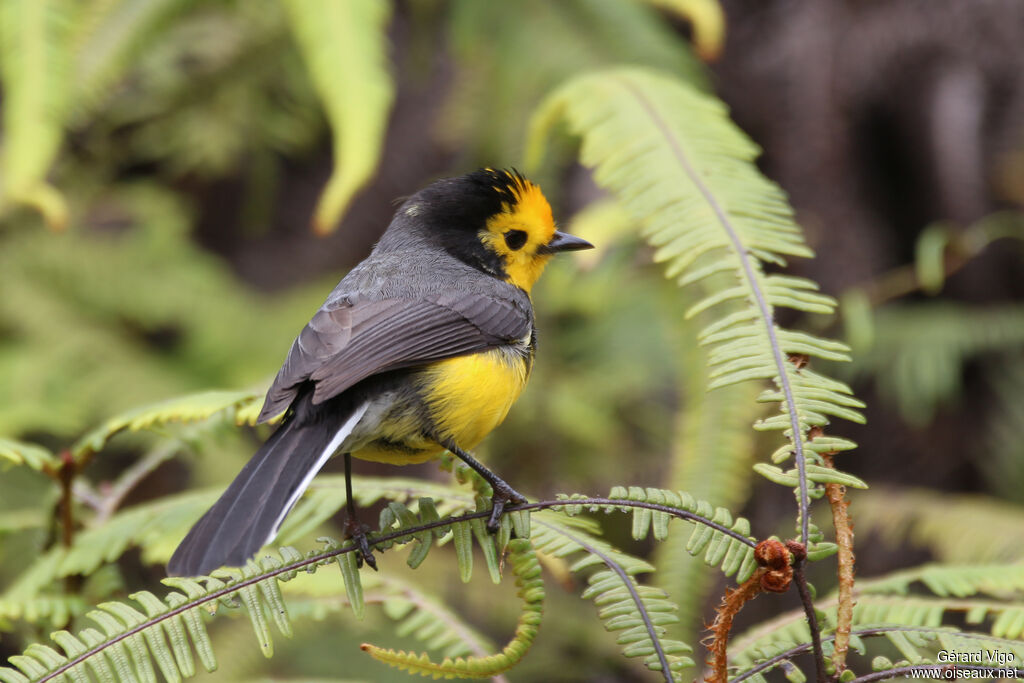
column 563, row 241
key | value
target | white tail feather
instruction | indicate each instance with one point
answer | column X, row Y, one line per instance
column 325, row 455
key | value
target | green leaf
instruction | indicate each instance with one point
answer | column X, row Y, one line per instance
column 33, row 69
column 345, row 47
column 191, row 408
column 30, row 455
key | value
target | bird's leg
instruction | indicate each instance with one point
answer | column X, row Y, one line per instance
column 502, row 493
column 355, row 530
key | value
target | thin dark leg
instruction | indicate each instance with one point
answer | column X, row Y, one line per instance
column 356, row 531
column 502, row 495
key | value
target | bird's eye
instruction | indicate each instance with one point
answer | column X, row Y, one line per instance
column 515, row 239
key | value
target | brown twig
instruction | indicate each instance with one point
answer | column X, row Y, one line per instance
column 131, row 478
column 732, row 603
column 836, row 494
column 65, row 475
column 961, row 249
column 774, row 575
column 65, row 506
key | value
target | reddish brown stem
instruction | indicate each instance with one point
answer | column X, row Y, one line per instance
column 774, row 575
column 844, row 540
column 730, row 606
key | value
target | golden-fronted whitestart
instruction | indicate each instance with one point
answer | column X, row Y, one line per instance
column 423, row 347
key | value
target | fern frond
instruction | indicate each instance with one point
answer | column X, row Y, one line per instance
column 131, row 637
column 641, row 613
column 678, row 165
column 31, row 455
column 34, row 72
column 955, row 580
column 345, row 48
column 725, row 542
column 50, row 609
column 526, row 569
column 156, row 527
column 954, row 527
column 243, row 406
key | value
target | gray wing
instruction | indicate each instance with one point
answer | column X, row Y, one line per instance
column 351, row 340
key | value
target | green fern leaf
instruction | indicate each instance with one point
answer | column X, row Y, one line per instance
column 639, row 613
column 190, row 408
column 724, row 542
column 34, row 72
column 526, row 569
column 20, row 453
column 678, row 165
column 952, row 580
column 130, row 640
column 345, row 48
column 54, row 610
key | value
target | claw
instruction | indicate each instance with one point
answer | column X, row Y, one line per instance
column 357, row 532
column 503, row 495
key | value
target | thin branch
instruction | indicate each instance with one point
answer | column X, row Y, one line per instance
column 961, row 249
column 86, row 494
column 66, row 477
column 324, row 556
column 131, row 478
column 812, row 618
column 622, row 502
column 764, row 307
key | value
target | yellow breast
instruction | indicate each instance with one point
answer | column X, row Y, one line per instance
column 466, row 397
column 469, row 396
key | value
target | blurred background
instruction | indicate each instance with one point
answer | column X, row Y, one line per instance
column 193, row 144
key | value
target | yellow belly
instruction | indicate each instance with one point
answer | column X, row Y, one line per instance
column 467, row 397
column 470, row 395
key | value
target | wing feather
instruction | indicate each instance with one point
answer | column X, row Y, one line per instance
column 348, row 341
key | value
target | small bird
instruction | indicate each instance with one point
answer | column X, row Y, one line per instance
column 422, row 348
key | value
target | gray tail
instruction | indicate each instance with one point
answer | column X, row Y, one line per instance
column 248, row 514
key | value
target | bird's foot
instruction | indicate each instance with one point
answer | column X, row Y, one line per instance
column 357, row 532
column 502, row 496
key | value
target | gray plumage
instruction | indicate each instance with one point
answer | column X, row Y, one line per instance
column 419, row 297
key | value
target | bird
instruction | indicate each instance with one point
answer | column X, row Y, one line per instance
column 421, row 348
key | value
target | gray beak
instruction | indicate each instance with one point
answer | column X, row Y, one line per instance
column 563, row 241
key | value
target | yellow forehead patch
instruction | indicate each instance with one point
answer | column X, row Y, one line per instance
column 531, row 213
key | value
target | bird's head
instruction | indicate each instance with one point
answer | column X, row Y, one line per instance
column 496, row 221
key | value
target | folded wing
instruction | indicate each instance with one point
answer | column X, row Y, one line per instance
column 350, row 340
